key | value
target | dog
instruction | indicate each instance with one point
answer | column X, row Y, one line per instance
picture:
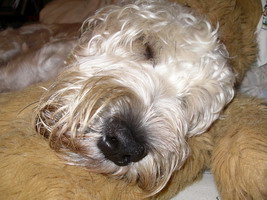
column 143, row 77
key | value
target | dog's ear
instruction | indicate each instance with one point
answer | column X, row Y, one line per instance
column 206, row 99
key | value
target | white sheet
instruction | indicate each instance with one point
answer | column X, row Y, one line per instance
column 262, row 36
column 205, row 189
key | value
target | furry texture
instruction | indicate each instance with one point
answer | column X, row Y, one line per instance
column 40, row 174
column 239, row 159
column 237, row 19
column 31, row 170
column 49, row 177
column 159, row 69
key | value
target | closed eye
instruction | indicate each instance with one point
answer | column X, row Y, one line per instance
column 149, row 54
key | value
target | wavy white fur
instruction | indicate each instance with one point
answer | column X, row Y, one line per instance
column 154, row 64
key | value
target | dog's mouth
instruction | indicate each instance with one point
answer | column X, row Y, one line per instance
column 120, row 143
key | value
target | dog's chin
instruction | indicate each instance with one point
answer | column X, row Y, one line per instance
column 151, row 173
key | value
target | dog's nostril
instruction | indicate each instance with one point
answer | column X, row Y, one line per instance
column 120, row 145
column 119, row 153
column 112, row 142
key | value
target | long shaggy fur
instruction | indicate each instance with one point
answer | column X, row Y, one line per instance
column 159, row 68
column 162, row 69
column 31, row 170
column 241, row 152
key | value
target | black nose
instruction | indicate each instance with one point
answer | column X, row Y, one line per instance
column 120, row 144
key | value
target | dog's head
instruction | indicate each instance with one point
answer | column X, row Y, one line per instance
column 143, row 78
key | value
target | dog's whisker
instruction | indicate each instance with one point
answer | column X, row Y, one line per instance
column 29, row 106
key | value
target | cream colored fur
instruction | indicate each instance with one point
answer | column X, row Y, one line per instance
column 159, row 68
column 234, row 147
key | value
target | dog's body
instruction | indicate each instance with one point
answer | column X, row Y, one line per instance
column 144, row 81
column 31, row 170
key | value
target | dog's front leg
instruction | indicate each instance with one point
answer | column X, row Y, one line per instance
column 239, row 160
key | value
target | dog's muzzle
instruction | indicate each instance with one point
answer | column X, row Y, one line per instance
column 119, row 143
